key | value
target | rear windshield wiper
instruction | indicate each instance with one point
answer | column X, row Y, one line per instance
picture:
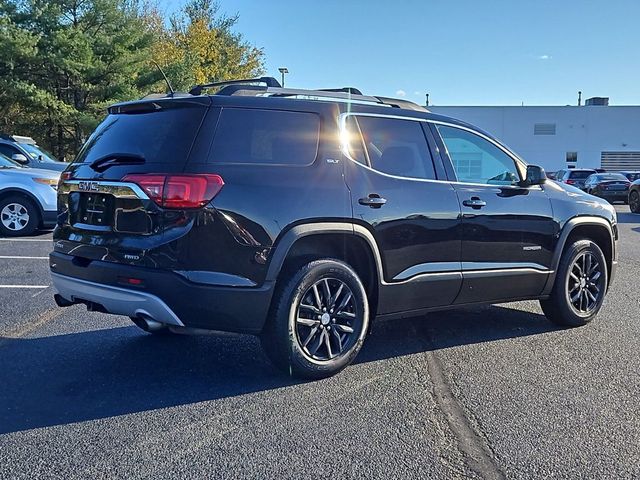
column 106, row 161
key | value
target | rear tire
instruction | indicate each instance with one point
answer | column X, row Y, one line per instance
column 580, row 286
column 318, row 320
column 634, row 202
column 18, row 216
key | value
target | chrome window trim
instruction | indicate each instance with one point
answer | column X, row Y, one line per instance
column 342, row 124
column 117, row 189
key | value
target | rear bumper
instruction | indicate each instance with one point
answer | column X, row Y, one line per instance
column 119, row 301
column 163, row 295
column 49, row 218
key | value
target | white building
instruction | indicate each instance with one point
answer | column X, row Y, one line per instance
column 559, row 137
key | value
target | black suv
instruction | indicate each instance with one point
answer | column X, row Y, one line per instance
column 300, row 215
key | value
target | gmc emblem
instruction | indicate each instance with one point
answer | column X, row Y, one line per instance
column 88, row 186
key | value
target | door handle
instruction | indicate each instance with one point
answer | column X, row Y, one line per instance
column 475, row 203
column 373, row 200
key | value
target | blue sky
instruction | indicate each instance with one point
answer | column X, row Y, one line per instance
column 465, row 52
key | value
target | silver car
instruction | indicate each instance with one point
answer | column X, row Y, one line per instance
column 27, row 198
column 27, row 152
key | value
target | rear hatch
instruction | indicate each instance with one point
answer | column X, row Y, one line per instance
column 617, row 186
column 578, row 177
column 108, row 202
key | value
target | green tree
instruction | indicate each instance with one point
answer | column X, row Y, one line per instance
column 63, row 61
column 200, row 46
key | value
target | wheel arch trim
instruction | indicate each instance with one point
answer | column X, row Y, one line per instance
column 14, row 190
column 288, row 239
column 569, row 227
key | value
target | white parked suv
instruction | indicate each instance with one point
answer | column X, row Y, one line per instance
column 27, row 198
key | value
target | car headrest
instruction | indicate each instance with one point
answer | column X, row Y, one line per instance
column 398, row 160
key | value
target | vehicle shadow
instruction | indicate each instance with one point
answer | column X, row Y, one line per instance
column 90, row 375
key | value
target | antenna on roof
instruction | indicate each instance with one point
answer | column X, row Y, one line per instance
column 165, row 77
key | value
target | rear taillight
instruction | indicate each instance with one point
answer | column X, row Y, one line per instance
column 178, row 191
column 570, row 182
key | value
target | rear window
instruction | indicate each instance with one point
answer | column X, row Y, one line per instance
column 581, row 173
column 612, row 176
column 265, row 137
column 160, row 136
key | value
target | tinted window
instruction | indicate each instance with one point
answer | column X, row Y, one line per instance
column 354, row 141
column 609, row 177
column 164, row 135
column 477, row 160
column 8, row 150
column 268, row 137
column 396, row 147
column 580, row 174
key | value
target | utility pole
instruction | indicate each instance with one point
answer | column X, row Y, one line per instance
column 427, row 104
column 579, row 98
column 283, row 70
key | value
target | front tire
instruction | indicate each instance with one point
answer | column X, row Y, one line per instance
column 580, row 286
column 318, row 320
column 18, row 216
column 634, row 202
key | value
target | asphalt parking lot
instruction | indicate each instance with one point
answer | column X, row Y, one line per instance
column 493, row 392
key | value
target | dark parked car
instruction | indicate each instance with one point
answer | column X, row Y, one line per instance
column 613, row 187
column 575, row 177
column 634, row 197
column 632, row 176
column 300, row 216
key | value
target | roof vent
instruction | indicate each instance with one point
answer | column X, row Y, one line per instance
column 597, row 101
column 544, row 129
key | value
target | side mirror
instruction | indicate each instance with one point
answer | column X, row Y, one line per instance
column 535, row 175
column 20, row 158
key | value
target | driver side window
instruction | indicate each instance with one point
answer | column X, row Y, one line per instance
column 477, row 160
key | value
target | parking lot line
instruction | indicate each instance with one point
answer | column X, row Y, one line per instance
column 14, row 257
column 24, row 286
column 26, row 240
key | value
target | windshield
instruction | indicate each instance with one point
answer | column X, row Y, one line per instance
column 6, row 162
column 36, row 152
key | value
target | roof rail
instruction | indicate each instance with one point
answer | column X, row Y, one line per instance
column 274, row 89
column 268, row 81
column 406, row 104
column 352, row 90
column 341, row 95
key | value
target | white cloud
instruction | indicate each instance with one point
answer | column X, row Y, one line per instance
column 417, row 92
column 401, row 93
column 544, row 57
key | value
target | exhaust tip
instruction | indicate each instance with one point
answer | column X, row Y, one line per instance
column 61, row 301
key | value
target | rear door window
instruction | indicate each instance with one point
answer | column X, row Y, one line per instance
column 265, row 137
column 396, row 147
